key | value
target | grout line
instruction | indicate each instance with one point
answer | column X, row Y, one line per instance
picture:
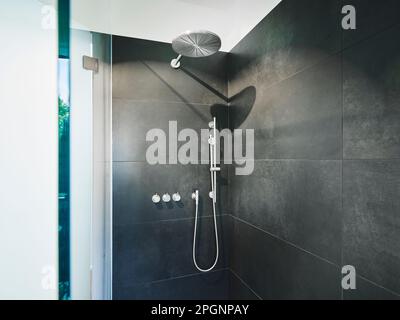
column 375, row 159
column 171, row 220
column 178, row 277
column 156, row 165
column 261, row 160
column 339, row 159
column 287, row 242
column 188, row 276
column 371, row 36
column 319, row 61
column 321, row 160
column 379, row 286
column 329, row 56
column 244, row 283
column 292, row 159
column 129, row 161
column 168, row 164
column 342, row 153
column 165, row 101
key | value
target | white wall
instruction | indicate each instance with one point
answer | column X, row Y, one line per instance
column 28, row 152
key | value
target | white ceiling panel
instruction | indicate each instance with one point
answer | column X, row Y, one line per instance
column 163, row 20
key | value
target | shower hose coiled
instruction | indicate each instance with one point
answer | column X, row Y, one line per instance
column 195, row 235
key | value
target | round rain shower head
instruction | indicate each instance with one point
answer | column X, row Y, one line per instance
column 197, row 44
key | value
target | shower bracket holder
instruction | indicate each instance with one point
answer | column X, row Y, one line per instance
column 176, row 63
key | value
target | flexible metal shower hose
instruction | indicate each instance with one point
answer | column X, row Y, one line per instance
column 195, row 234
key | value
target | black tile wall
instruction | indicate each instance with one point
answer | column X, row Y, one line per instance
column 300, row 117
column 136, row 182
column 318, row 96
column 277, row 270
column 209, row 286
column 285, row 82
column 152, row 244
column 132, row 120
column 324, row 192
column 371, row 92
column 299, row 201
column 295, row 35
column 162, row 250
column 144, row 73
column 372, row 221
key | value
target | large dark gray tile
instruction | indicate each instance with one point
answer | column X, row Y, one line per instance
column 295, row 35
column 373, row 16
column 133, row 119
column 276, row 270
column 299, row 118
column 157, row 251
column 299, row 201
column 371, row 89
column 368, row 291
column 142, row 71
column 371, row 236
column 136, row 182
column 209, row 286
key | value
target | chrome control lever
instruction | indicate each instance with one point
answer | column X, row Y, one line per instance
column 166, row 198
column 176, row 197
column 156, row 198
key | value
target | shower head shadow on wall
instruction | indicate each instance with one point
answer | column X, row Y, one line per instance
column 195, row 44
column 240, row 106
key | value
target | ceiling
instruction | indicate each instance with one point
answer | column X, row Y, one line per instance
column 163, row 20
